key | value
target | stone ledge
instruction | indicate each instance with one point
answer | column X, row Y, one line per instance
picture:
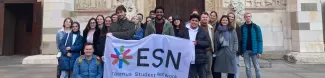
column 305, row 58
column 263, row 63
column 40, row 59
column 278, row 55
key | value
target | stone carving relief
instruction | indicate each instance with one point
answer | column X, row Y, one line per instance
column 266, row 3
column 100, row 5
column 237, row 6
column 209, row 4
column 131, row 9
column 260, row 3
column 91, row 4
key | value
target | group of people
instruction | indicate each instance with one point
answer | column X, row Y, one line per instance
column 218, row 44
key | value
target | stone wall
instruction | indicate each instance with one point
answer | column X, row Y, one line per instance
column 270, row 16
column 54, row 12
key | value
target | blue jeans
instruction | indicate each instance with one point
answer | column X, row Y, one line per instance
column 66, row 74
column 237, row 67
column 247, row 59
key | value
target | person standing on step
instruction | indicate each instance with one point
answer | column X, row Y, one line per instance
column 201, row 41
column 234, row 24
column 66, row 28
column 204, row 23
column 159, row 25
column 70, row 46
column 89, row 34
column 252, row 45
column 100, row 47
column 225, row 46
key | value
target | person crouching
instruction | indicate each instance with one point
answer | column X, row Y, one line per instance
column 88, row 65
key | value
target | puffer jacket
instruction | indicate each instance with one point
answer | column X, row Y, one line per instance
column 65, row 62
column 256, row 37
column 203, row 42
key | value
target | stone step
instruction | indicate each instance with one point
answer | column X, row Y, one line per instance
column 40, row 59
column 263, row 63
column 51, row 59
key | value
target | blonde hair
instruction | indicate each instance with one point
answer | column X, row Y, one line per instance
column 247, row 13
column 137, row 24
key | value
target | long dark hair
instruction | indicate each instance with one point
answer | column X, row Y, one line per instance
column 100, row 16
column 86, row 30
column 104, row 30
column 176, row 17
column 228, row 25
column 71, row 21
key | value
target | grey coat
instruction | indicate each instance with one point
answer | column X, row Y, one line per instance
column 225, row 56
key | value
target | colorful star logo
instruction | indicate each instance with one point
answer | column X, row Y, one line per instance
column 121, row 57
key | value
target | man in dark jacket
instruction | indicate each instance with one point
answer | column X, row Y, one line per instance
column 123, row 28
column 201, row 41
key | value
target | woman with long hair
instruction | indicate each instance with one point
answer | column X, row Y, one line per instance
column 226, row 46
column 70, row 46
column 233, row 23
column 100, row 21
column 177, row 24
column 66, row 28
column 89, row 35
column 100, row 47
column 139, row 31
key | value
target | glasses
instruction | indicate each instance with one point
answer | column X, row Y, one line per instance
column 92, row 22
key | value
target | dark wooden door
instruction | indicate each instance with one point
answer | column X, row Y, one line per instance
column 37, row 27
column 23, row 30
column 183, row 8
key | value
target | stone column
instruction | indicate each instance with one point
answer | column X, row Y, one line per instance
column 306, row 31
column 54, row 13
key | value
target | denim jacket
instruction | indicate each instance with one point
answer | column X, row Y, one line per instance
column 138, row 34
column 88, row 69
column 59, row 35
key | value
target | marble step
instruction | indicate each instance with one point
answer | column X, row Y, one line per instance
column 51, row 59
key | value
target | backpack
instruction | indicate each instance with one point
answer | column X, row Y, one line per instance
column 80, row 60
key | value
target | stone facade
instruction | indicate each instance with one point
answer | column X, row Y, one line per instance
column 287, row 25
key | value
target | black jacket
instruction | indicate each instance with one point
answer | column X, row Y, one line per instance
column 123, row 29
column 95, row 40
column 100, row 40
column 203, row 42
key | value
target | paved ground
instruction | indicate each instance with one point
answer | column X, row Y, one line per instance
column 11, row 67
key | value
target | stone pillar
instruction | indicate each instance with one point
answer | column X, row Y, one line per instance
column 307, row 32
column 54, row 13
